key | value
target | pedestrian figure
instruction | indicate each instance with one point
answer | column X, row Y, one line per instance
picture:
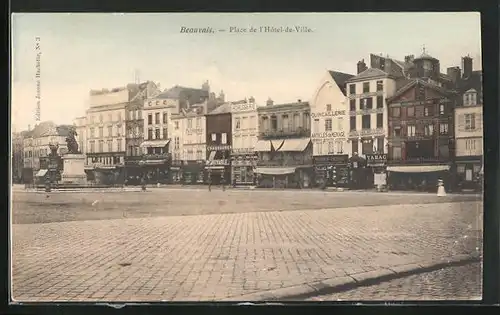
column 143, row 183
column 222, row 182
column 209, row 182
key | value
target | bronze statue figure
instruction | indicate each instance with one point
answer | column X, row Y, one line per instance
column 71, row 142
column 53, row 149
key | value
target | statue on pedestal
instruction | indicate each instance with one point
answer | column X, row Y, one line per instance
column 53, row 149
column 71, row 142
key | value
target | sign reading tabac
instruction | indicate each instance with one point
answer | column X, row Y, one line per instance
column 376, row 159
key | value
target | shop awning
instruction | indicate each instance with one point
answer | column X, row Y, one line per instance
column 41, row 173
column 263, row 146
column 277, row 144
column 155, row 143
column 215, row 167
column 297, row 145
column 275, row 170
column 418, row 168
column 152, row 162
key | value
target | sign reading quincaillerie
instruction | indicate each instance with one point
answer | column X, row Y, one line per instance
column 329, row 114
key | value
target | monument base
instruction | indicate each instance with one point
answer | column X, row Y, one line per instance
column 74, row 170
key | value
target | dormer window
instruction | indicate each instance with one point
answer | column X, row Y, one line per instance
column 470, row 98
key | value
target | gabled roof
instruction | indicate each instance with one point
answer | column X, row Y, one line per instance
column 221, row 109
column 340, row 78
column 411, row 83
column 370, row 73
column 472, row 82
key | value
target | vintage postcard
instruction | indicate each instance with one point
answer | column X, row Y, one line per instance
column 246, row 157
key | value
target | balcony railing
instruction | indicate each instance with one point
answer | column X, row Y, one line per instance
column 284, row 133
column 157, row 156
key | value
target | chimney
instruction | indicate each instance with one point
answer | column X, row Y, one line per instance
column 222, row 96
column 454, row 73
column 205, row 86
column 467, row 66
column 269, row 102
column 409, row 58
column 361, row 66
column 251, row 100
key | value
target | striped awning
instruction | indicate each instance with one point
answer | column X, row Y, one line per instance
column 297, row 145
column 263, row 146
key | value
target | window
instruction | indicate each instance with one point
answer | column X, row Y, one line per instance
column 165, row 118
column 367, row 146
column 150, row 133
column 274, row 123
column 118, row 130
column 426, row 111
column 470, row 121
column 410, row 111
column 296, row 120
column 150, row 119
column 443, row 129
column 224, row 138
column 101, row 132
column 328, row 107
column 92, row 119
column 101, row 119
column 397, row 131
column 157, row 118
column 316, row 126
column 444, row 151
column 470, row 144
column 354, row 146
column 380, row 145
column 110, row 131
column 352, row 88
column 428, row 130
column 101, row 145
column 420, row 93
column 199, row 154
column 176, row 125
column 252, row 122
column 237, row 123
column 380, row 120
column 380, row 101
column 410, row 130
column 165, row 133
column 92, row 132
column 110, row 145
column 470, row 99
column 119, row 145
column 366, row 87
column 119, row 116
column 396, row 153
column 352, row 104
column 110, row 117
column 176, row 143
column 190, row 123
column 331, row 148
column 92, row 146
column 214, row 137
column 340, row 123
column 352, row 123
column 138, row 114
column 340, row 147
column 366, row 103
column 157, row 133
column 285, row 123
column 396, row 112
column 441, row 109
column 380, row 85
column 366, row 121
column 328, row 124
column 198, row 122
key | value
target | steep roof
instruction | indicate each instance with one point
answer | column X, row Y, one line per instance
column 63, row 130
column 472, row 82
column 340, row 78
column 370, row 73
column 411, row 83
column 221, row 109
column 178, row 92
column 278, row 106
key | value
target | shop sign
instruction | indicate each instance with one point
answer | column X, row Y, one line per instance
column 331, row 159
column 367, row 132
column 222, row 147
column 243, row 107
column 217, row 162
column 329, row 134
column 191, row 131
column 376, row 159
column 329, row 114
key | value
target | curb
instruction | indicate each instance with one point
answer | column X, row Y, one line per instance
column 350, row 282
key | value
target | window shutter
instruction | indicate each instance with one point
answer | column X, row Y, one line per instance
column 478, row 121
column 461, row 122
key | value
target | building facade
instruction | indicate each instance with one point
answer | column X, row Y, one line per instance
column 284, row 145
column 469, row 129
column 193, row 144
column 36, row 148
column 421, row 127
column 329, row 121
column 219, row 145
column 244, row 135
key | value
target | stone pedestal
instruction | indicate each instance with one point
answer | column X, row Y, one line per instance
column 74, row 170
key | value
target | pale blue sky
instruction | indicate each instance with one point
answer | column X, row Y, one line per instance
column 100, row 50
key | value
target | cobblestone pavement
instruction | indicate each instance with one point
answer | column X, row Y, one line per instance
column 75, row 206
column 452, row 283
column 210, row 257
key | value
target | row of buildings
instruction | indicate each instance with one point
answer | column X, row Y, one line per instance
column 404, row 123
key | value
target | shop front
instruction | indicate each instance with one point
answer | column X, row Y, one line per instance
column 331, row 170
column 377, row 169
column 218, row 171
column 193, row 172
column 359, row 175
column 133, row 170
column 176, row 172
column 242, row 168
column 469, row 172
column 419, row 177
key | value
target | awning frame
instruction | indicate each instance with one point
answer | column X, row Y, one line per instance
column 295, row 145
column 155, row 143
column 275, row 170
column 418, row 168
